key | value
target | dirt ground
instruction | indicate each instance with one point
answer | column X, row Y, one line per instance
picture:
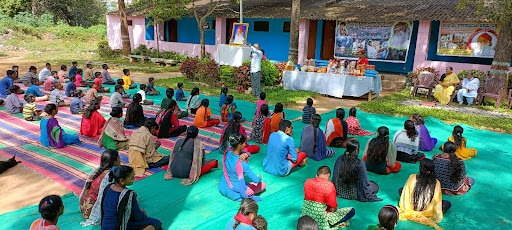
column 20, row 186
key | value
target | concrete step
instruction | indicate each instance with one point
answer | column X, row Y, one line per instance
column 393, row 85
column 393, row 77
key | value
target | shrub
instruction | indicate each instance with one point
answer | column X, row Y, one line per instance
column 141, row 50
column 415, row 73
column 243, row 75
column 46, row 20
column 25, row 18
column 281, row 66
column 481, row 75
column 209, row 72
column 269, row 73
column 174, row 56
column 227, row 76
column 105, row 51
column 190, row 68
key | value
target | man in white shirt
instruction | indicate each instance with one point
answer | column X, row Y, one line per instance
column 45, row 73
column 469, row 89
column 256, row 56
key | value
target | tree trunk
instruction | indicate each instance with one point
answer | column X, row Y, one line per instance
column 125, row 36
column 33, row 5
column 201, row 39
column 293, row 54
column 157, row 40
column 501, row 63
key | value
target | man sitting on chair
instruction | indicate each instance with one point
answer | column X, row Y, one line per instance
column 469, row 89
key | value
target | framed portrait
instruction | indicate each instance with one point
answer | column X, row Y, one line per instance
column 239, row 34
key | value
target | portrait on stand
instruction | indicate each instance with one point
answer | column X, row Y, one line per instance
column 239, row 35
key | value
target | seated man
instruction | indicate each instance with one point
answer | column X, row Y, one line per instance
column 34, row 90
column 469, row 89
column 446, row 86
column 320, row 202
column 282, row 155
column 142, row 152
column 31, row 74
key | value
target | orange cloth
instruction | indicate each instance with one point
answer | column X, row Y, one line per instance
column 275, row 120
column 92, row 126
column 202, row 115
column 334, row 129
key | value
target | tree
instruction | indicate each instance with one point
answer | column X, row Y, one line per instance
column 160, row 11
column 125, row 36
column 499, row 11
column 293, row 54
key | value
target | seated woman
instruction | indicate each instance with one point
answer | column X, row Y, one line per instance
column 112, row 136
column 277, row 117
column 312, row 141
column 51, row 208
column 446, row 86
column 354, row 128
column 245, row 216
column 380, row 155
column 134, row 113
column 118, row 198
column 52, row 135
column 92, row 121
column 451, row 171
column 457, row 138
column 193, row 102
column 235, row 167
column 336, row 131
column 421, row 197
column 94, row 187
column 168, row 122
column 350, row 177
column 170, row 94
column 427, row 143
column 261, row 126
column 233, row 127
column 203, row 113
column 407, row 143
column 142, row 149
column 388, row 218
column 188, row 159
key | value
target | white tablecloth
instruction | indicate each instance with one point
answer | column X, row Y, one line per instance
column 335, row 85
column 232, row 55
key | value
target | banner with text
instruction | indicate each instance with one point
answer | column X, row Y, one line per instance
column 380, row 42
column 467, row 39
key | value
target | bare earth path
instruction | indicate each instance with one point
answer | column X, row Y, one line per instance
column 20, row 186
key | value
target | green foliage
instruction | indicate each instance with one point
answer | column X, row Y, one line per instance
column 25, row 18
column 142, row 50
column 162, row 10
column 227, row 76
column 105, row 51
column 174, row 56
column 497, row 10
column 209, row 72
column 269, row 73
column 13, row 7
column 481, row 75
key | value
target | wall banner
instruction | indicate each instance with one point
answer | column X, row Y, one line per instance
column 467, row 39
column 387, row 42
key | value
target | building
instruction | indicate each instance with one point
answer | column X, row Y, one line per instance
column 269, row 25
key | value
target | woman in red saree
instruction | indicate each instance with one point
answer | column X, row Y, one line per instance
column 92, row 121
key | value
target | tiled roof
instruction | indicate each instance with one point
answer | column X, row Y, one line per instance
column 345, row 10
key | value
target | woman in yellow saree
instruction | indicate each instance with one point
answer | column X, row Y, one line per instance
column 446, row 87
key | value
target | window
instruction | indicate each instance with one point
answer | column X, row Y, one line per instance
column 286, row 27
column 262, row 26
column 130, row 23
column 213, row 24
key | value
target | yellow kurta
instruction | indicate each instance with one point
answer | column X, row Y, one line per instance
column 431, row 215
column 442, row 93
column 462, row 152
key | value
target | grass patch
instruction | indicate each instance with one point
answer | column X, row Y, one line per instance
column 274, row 95
column 390, row 105
column 2, row 54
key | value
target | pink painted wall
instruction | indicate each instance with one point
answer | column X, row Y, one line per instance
column 220, row 31
column 420, row 57
column 303, row 40
column 138, row 36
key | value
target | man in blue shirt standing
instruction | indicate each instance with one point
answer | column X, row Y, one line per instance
column 7, row 82
column 282, row 156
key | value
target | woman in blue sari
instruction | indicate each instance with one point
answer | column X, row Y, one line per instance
column 52, row 135
column 313, row 142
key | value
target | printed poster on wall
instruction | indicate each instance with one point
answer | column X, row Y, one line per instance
column 468, row 39
column 380, row 42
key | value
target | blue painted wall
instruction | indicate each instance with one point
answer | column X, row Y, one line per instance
column 380, row 65
column 188, row 32
column 275, row 42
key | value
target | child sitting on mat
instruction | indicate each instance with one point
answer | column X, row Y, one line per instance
column 30, row 112
column 277, row 117
column 308, row 111
column 260, row 102
column 180, row 95
column 223, row 96
column 228, row 109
